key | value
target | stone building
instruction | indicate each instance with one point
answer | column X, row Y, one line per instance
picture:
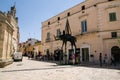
column 28, row 46
column 38, row 48
column 9, row 35
column 95, row 24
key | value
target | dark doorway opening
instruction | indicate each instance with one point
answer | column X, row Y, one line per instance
column 58, row 54
column 85, row 54
column 71, row 52
column 77, row 55
column 115, row 52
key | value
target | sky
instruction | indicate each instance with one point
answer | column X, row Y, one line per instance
column 31, row 13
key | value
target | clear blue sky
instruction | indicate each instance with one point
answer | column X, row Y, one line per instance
column 32, row 12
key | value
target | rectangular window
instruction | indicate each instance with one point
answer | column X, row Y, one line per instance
column 1, row 35
column 58, row 33
column 114, row 34
column 68, row 14
column 48, row 36
column 110, row 0
column 84, row 26
column 48, row 23
column 83, row 7
column 112, row 16
column 58, row 18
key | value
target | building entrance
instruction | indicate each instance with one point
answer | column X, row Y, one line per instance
column 115, row 52
column 85, row 54
column 58, row 55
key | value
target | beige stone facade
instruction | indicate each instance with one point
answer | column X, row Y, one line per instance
column 38, row 48
column 31, row 46
column 9, row 35
column 95, row 24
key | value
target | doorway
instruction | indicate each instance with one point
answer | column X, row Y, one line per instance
column 115, row 52
column 58, row 54
column 71, row 51
column 85, row 54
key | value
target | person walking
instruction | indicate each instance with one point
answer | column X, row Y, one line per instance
column 100, row 59
column 73, row 58
column 113, row 61
column 106, row 60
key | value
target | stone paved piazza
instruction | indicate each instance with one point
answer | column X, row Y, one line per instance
column 38, row 70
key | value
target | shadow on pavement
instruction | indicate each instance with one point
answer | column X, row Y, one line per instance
column 36, row 69
column 89, row 65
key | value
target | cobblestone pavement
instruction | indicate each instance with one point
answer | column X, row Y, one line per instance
column 38, row 70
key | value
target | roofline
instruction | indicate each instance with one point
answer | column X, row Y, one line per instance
column 64, row 11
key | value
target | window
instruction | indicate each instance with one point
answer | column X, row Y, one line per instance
column 110, row 0
column 114, row 34
column 29, row 44
column 84, row 26
column 68, row 14
column 112, row 16
column 48, row 23
column 58, row 18
column 48, row 37
column 0, row 31
column 23, row 45
column 83, row 7
column 58, row 33
column 1, row 34
column 95, row 5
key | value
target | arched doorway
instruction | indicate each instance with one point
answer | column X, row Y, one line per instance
column 115, row 52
